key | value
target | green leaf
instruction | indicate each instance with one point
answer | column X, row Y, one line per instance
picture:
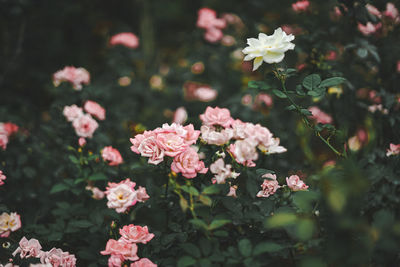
column 221, row 233
column 245, row 247
column 305, row 112
column 73, row 159
column 205, row 246
column 332, row 81
column 190, row 190
column 266, row 247
column 81, row 224
column 79, row 180
column 191, row 249
column 291, row 107
column 186, row 261
column 205, row 200
column 299, row 90
column 258, row 85
column 279, row 93
column 311, row 81
column 218, row 223
column 58, row 188
column 281, row 219
column 305, row 229
column 199, row 223
column 98, row 176
column 212, row 189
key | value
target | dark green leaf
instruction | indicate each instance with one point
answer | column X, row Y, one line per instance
column 58, row 188
column 332, row 81
column 98, row 176
column 190, row 190
column 218, row 223
column 191, row 249
column 186, row 261
column 245, row 247
column 311, row 81
column 279, row 93
column 266, row 247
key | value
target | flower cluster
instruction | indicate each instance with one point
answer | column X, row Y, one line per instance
column 9, row 223
column 54, row 257
column 173, row 141
column 123, row 195
column 75, row 76
column 2, row 177
column 127, row 39
column 270, row 185
column 219, row 128
column 83, row 123
column 125, row 248
column 6, row 130
column 222, row 171
column 207, row 19
column 111, row 156
column 390, row 16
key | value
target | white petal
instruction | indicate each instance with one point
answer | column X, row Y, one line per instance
column 257, row 62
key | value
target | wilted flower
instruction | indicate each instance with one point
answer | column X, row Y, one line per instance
column 294, row 183
column 269, row 186
column 268, row 48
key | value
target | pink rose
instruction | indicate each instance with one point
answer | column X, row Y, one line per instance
column 95, row 109
column 97, row 193
column 222, row 171
column 393, row 150
column 373, row 10
column 144, row 262
column 269, row 186
column 398, row 66
column 332, row 55
column 85, row 126
column 262, row 98
column 76, row 76
column 72, row 112
column 171, row 143
column 213, row 137
column 115, row 261
column 180, row 115
column 232, row 191
column 28, row 248
column 135, row 234
column 294, row 183
column 2, row 177
column 244, row 152
column 126, row 39
column 121, row 196
column 111, row 155
column 191, row 134
column 213, row 35
column 300, row 6
column 127, row 251
column 258, row 135
column 216, row 116
column 9, row 223
column 58, row 258
column 10, row 128
column 392, row 13
column 146, row 145
column 273, row 147
column 319, row 116
column 200, row 92
column 369, row 28
column 207, row 19
column 188, row 163
column 81, row 141
column 141, row 194
column 3, row 140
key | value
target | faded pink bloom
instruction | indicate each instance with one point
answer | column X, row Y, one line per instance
column 39, row 265
column 58, row 258
column 180, row 115
column 247, row 99
column 301, row 6
column 3, row 140
column 373, row 10
column 188, row 163
column 85, row 126
column 374, row 97
column 191, row 134
column 244, row 152
column 319, row 116
column 392, row 13
column 95, row 109
column 216, row 116
column 9, row 223
column 127, row 251
column 369, row 28
column 262, row 98
column 222, row 171
column 292, row 29
column 72, row 112
column 258, row 135
column 232, row 191
column 213, row 35
column 144, row 262
column 213, row 137
column 111, row 155
column 28, row 248
column 207, row 19
column 393, row 150
column 375, row 107
column 115, row 260
column 81, row 141
column 146, row 145
column 97, row 193
column 76, row 76
column 331, row 55
column 141, row 194
column 127, row 39
column 2, row 177
column 135, row 234
column 273, row 147
column 10, row 128
column 269, row 186
column 121, row 195
column 294, row 183
column 228, row 40
column 205, row 94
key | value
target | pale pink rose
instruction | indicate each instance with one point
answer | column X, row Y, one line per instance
column 95, row 109
column 373, row 10
column 244, row 152
column 172, row 128
column 76, row 76
column 392, row 13
column 141, row 194
column 273, row 147
column 239, row 129
column 369, row 28
column 111, row 155
column 294, row 183
column 10, row 128
column 393, row 150
column 213, row 137
column 127, row 39
column 143, row 262
column 191, row 134
column 135, row 234
column 188, row 163
column 319, row 116
column 221, row 171
column 269, row 186
column 207, row 18
column 85, row 126
column 2, row 177
column 213, row 35
column 72, row 112
column 81, row 141
column 258, row 135
column 97, row 193
column 146, row 145
column 171, row 143
column 205, row 94
column 216, row 116
column 121, row 195
column 28, row 248
column 3, row 140
column 180, row 115
column 119, row 247
column 247, row 99
column 58, row 258
column 9, row 223
column 115, row 261
column 301, row 6
column 262, row 98
column 40, row 265
column 232, row 191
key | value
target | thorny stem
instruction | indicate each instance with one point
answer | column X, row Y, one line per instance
column 305, row 119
